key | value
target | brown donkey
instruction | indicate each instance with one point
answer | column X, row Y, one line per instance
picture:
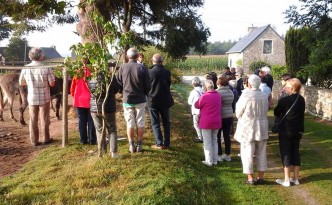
column 9, row 88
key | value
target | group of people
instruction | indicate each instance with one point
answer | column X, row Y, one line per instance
column 140, row 87
column 211, row 106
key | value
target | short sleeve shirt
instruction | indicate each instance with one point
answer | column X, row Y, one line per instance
column 37, row 81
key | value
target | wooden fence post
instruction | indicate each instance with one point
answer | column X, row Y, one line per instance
column 65, row 108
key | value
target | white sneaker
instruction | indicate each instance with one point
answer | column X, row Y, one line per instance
column 227, row 158
column 295, row 182
column 283, row 183
column 139, row 148
column 207, row 163
column 114, row 155
column 219, row 158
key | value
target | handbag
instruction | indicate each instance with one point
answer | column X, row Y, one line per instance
column 277, row 121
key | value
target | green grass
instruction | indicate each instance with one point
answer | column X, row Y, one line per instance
column 73, row 176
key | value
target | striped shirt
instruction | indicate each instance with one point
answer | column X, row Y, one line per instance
column 37, row 81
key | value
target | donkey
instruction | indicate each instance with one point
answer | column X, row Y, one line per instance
column 9, row 88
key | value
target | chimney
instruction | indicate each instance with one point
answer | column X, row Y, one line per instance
column 252, row 27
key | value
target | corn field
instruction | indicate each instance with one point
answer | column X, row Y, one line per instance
column 201, row 63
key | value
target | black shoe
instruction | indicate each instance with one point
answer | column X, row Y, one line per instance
column 253, row 182
column 260, row 181
column 197, row 140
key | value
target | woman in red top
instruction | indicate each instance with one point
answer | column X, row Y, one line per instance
column 81, row 95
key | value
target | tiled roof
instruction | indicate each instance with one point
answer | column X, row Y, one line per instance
column 247, row 40
column 50, row 52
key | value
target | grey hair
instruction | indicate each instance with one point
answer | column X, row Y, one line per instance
column 132, row 53
column 209, row 85
column 36, row 54
column 266, row 69
column 196, row 82
column 157, row 58
column 254, row 81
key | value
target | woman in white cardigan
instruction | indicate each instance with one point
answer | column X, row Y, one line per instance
column 252, row 130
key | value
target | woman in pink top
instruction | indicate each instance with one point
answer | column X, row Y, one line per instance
column 81, row 95
column 210, row 121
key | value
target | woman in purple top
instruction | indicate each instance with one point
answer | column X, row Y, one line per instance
column 210, row 121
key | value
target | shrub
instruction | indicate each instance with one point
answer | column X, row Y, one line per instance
column 257, row 65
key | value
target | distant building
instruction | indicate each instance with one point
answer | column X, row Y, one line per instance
column 260, row 44
column 50, row 53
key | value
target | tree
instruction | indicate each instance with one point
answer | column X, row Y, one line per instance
column 315, row 14
column 4, row 28
column 297, row 51
column 172, row 26
column 16, row 49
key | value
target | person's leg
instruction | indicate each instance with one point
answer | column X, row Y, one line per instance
column 130, row 117
column 83, row 117
column 285, row 153
column 219, row 142
column 164, row 113
column 91, row 129
column 296, row 159
column 261, row 158
column 45, row 121
column 113, row 132
column 97, row 120
column 247, row 151
column 214, row 146
column 33, row 125
column 140, row 123
column 207, row 144
column 226, row 126
column 196, row 126
column 155, row 124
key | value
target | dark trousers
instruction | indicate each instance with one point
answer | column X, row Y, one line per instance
column 226, row 129
column 85, row 126
column 289, row 147
column 155, row 123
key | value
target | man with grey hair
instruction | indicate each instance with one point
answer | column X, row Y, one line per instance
column 267, row 74
column 252, row 130
column 135, row 82
column 161, row 100
column 38, row 81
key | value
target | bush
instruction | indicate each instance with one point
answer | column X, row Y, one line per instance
column 257, row 65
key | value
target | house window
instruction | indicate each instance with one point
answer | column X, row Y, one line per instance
column 267, row 47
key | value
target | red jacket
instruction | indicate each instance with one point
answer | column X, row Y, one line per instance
column 80, row 91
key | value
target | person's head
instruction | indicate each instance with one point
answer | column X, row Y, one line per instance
column 36, row 54
column 209, row 84
column 222, row 81
column 254, row 81
column 196, row 82
column 245, row 80
column 263, row 79
column 157, row 59
column 293, row 86
column 232, row 70
column 111, row 64
column 132, row 53
column 140, row 57
column 284, row 78
column 257, row 71
column 233, row 83
column 227, row 69
column 239, row 72
column 267, row 70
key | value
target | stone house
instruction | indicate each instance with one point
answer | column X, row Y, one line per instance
column 260, row 44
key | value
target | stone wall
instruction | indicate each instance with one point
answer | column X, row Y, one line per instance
column 318, row 101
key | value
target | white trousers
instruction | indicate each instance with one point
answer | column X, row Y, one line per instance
column 210, row 145
column 251, row 149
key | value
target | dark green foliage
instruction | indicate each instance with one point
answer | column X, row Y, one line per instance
column 257, row 65
column 315, row 15
column 17, row 49
column 4, row 28
column 297, row 51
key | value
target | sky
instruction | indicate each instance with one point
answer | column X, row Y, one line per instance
column 226, row 19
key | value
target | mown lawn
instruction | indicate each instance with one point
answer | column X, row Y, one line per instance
column 73, row 175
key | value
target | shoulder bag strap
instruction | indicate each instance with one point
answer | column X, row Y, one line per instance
column 289, row 109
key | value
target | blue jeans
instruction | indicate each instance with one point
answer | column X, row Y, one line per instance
column 226, row 129
column 155, row 123
column 86, row 127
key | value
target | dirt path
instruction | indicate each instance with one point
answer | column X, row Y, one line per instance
column 15, row 147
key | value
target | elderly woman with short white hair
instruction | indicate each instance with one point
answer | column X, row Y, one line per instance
column 252, row 130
